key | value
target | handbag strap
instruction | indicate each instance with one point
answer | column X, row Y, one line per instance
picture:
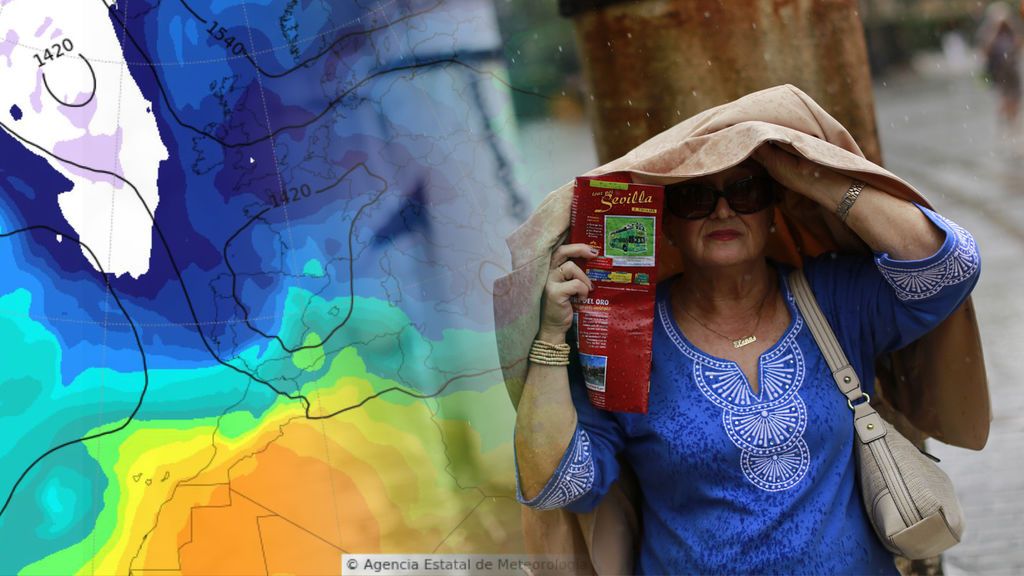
column 867, row 423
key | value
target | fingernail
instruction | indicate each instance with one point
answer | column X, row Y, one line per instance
column 593, row 251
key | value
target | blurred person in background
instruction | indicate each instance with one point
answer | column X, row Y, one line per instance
column 999, row 39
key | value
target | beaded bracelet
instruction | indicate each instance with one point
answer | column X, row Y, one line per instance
column 549, row 354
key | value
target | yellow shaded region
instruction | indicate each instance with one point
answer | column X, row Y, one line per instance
column 144, row 476
column 288, row 494
column 175, row 527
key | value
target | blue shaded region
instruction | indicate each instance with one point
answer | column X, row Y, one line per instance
column 20, row 186
column 15, row 112
column 22, row 171
column 69, row 297
column 58, row 501
column 56, row 507
column 40, row 414
column 218, row 6
column 410, row 218
column 175, row 36
column 192, row 31
column 419, row 247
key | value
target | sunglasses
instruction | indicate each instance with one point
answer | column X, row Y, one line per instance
column 696, row 201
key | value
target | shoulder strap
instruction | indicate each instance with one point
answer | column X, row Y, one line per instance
column 867, row 422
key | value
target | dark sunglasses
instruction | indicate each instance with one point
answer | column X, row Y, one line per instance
column 696, row 201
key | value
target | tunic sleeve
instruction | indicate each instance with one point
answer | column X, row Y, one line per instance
column 589, row 465
column 880, row 305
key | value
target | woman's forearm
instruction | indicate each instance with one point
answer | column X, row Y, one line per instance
column 545, row 423
column 886, row 223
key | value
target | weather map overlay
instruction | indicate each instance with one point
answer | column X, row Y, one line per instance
column 246, row 248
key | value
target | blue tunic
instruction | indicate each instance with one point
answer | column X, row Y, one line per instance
column 737, row 482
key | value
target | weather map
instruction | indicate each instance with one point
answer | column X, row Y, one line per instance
column 246, row 251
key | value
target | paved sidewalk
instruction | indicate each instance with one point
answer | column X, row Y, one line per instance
column 942, row 136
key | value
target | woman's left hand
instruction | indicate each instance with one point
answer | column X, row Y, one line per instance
column 886, row 223
column 802, row 176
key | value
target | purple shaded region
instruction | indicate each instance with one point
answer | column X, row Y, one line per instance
column 7, row 46
column 97, row 151
column 15, row 112
column 45, row 25
column 80, row 117
column 36, row 97
column 56, row 33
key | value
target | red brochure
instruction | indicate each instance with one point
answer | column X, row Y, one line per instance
column 615, row 323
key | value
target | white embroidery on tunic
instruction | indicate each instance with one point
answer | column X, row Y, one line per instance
column 571, row 480
column 918, row 283
column 767, row 427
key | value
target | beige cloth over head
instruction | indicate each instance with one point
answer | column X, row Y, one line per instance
column 938, row 382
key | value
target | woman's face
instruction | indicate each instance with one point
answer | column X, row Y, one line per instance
column 724, row 238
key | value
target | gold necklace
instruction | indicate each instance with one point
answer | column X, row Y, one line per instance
column 737, row 342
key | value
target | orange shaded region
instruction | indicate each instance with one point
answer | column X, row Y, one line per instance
column 291, row 549
column 322, row 499
column 225, row 540
column 174, row 528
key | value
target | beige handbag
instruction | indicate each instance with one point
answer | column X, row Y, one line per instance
column 909, row 500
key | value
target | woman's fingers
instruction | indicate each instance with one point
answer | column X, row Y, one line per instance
column 556, row 308
column 564, row 252
column 567, row 271
column 562, row 292
column 795, row 172
column 783, row 167
column 565, row 280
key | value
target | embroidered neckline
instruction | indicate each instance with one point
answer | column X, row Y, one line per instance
column 767, row 427
column 691, row 350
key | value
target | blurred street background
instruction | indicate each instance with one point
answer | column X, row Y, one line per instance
column 940, row 133
column 938, row 127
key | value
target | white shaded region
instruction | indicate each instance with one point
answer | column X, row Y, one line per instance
column 115, row 132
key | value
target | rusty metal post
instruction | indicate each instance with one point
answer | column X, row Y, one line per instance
column 651, row 63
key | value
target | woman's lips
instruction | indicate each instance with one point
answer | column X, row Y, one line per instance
column 724, row 235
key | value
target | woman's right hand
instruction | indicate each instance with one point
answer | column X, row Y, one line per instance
column 565, row 280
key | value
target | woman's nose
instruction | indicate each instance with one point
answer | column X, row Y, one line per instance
column 722, row 209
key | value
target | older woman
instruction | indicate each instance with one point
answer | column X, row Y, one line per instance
column 744, row 459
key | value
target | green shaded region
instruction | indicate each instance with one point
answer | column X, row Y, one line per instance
column 30, row 355
column 107, row 455
column 490, row 421
column 234, row 424
column 390, row 344
column 309, row 359
column 313, row 268
column 609, row 185
column 376, row 348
